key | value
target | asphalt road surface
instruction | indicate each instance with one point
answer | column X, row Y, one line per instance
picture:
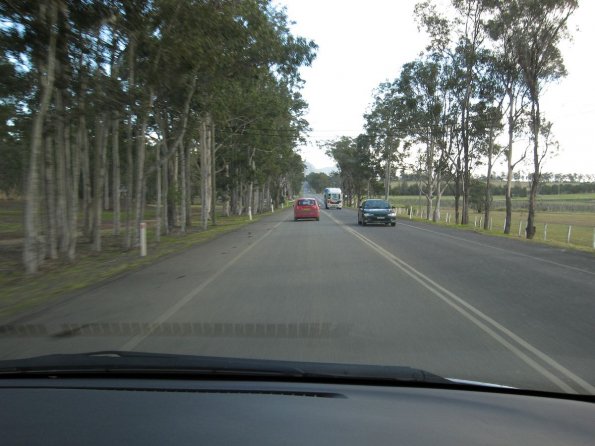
column 455, row 303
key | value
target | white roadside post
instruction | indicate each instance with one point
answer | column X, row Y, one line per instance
column 569, row 232
column 475, row 222
column 411, row 213
column 250, row 213
column 490, row 223
column 545, row 232
column 143, row 239
column 272, row 209
column 520, row 226
column 480, row 221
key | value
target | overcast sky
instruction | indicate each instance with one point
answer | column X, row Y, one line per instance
column 363, row 43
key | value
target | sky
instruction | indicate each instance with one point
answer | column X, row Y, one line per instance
column 363, row 43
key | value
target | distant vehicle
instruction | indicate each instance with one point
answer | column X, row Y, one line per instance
column 306, row 208
column 376, row 211
column 333, row 198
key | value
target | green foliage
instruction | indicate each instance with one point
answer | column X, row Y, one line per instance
column 318, row 181
column 355, row 161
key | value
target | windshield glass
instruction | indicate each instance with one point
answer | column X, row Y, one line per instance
column 153, row 155
column 376, row 204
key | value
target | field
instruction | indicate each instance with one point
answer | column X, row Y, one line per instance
column 557, row 216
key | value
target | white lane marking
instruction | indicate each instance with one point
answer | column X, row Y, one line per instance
column 136, row 340
column 496, row 331
column 551, row 262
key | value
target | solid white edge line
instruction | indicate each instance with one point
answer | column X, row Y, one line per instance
column 497, row 248
column 458, row 303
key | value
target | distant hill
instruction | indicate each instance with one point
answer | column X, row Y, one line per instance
column 310, row 168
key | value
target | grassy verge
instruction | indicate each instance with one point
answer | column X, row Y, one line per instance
column 19, row 292
column 582, row 230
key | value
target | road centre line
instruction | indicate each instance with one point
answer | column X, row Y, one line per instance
column 494, row 329
column 136, row 340
column 551, row 262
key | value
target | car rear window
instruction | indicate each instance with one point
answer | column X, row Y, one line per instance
column 306, row 202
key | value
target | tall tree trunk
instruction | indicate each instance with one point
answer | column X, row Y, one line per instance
column 166, row 222
column 183, row 188
column 387, row 170
column 159, row 191
column 509, row 166
column 70, row 231
column 101, row 124
column 227, row 193
column 129, row 143
column 31, row 248
column 140, row 168
column 175, row 179
column 213, row 177
column 61, row 149
column 106, row 177
column 439, row 190
column 116, row 178
column 458, row 190
column 205, row 170
column 85, row 166
column 536, row 126
column 75, row 167
column 188, row 203
column 50, row 198
column 488, row 191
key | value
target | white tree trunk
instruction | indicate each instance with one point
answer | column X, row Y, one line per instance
column 31, row 242
column 205, row 170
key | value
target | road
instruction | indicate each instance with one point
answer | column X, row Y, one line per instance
column 455, row 303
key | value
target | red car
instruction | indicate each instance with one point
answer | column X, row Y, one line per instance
column 306, row 208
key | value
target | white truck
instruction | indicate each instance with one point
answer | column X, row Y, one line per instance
column 333, row 198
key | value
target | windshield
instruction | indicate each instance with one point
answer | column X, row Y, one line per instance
column 153, row 155
column 376, row 204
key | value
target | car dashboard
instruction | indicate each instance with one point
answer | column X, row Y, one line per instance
column 96, row 410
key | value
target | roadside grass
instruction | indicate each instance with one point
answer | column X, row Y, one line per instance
column 19, row 292
column 11, row 219
column 566, row 197
column 581, row 201
column 582, row 226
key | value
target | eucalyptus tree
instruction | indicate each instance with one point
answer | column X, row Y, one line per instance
column 508, row 75
column 488, row 111
column 385, row 129
column 50, row 43
column 536, row 29
column 419, row 85
column 153, row 81
column 354, row 160
column 38, row 42
column 13, row 126
column 318, row 181
column 460, row 40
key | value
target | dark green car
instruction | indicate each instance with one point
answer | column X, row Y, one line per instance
column 376, row 211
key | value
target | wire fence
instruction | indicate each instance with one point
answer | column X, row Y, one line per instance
column 582, row 235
